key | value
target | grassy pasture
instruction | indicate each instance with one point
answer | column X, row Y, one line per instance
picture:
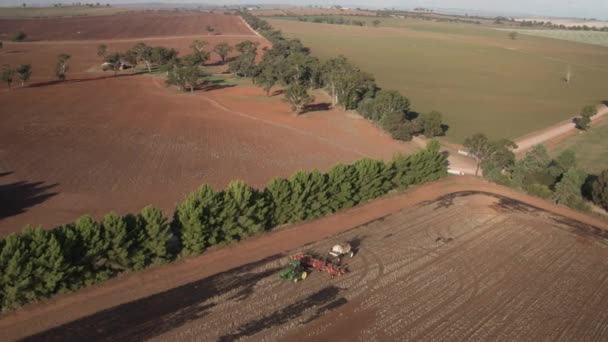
column 64, row 11
column 589, row 37
column 477, row 77
column 590, row 147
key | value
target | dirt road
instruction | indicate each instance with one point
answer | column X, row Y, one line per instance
column 169, row 302
column 526, row 142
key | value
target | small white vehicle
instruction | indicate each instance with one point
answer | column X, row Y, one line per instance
column 341, row 250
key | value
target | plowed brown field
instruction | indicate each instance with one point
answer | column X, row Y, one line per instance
column 96, row 143
column 122, row 143
column 467, row 265
column 121, row 26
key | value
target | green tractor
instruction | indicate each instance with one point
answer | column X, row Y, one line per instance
column 294, row 271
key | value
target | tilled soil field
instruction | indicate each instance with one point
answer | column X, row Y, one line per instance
column 468, row 266
column 120, row 26
column 95, row 146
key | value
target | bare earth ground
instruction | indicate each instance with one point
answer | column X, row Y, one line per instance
column 119, row 26
column 127, row 142
column 97, row 143
column 458, row 259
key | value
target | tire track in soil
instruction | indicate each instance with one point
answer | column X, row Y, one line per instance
column 566, row 329
column 457, row 311
column 526, row 304
column 511, row 292
column 366, row 304
column 451, row 255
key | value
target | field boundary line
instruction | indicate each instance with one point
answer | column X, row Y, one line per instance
column 250, row 28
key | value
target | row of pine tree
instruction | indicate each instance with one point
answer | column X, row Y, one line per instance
column 36, row 264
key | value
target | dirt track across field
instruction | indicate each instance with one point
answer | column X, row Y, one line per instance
column 456, row 259
column 526, row 142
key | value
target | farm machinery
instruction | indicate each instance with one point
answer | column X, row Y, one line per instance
column 302, row 264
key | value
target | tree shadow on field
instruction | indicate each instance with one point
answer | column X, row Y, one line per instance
column 509, row 205
column 322, row 301
column 317, row 107
column 218, row 63
column 154, row 315
column 79, row 80
column 17, row 197
column 278, row 92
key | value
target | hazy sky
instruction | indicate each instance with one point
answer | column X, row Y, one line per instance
column 565, row 8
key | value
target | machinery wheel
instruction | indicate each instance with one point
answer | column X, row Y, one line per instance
column 351, row 254
column 304, row 275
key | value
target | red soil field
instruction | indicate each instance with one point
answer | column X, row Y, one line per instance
column 127, row 142
column 458, row 259
column 121, row 26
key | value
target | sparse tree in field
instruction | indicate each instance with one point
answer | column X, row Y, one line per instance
column 266, row 77
column 8, row 75
column 102, row 50
column 143, row 53
column 244, row 64
column 18, row 36
column 210, row 29
column 198, row 46
column 183, row 75
column 513, row 35
column 223, row 49
column 298, row 97
column 62, row 67
column 599, row 190
column 376, row 23
column 24, row 71
column 495, row 154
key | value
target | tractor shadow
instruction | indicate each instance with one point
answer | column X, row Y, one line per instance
column 159, row 313
column 323, row 301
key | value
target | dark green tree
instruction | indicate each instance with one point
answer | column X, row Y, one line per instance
column 244, row 212
column 432, row 124
column 157, row 235
column 279, row 191
column 599, row 192
column 568, row 190
column 120, row 244
column 195, row 220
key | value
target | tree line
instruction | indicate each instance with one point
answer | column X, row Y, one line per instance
column 181, row 71
column 289, row 64
column 336, row 20
column 36, row 264
column 537, row 173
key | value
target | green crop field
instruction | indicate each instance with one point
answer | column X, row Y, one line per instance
column 590, row 147
column 589, row 37
column 64, row 11
column 476, row 76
